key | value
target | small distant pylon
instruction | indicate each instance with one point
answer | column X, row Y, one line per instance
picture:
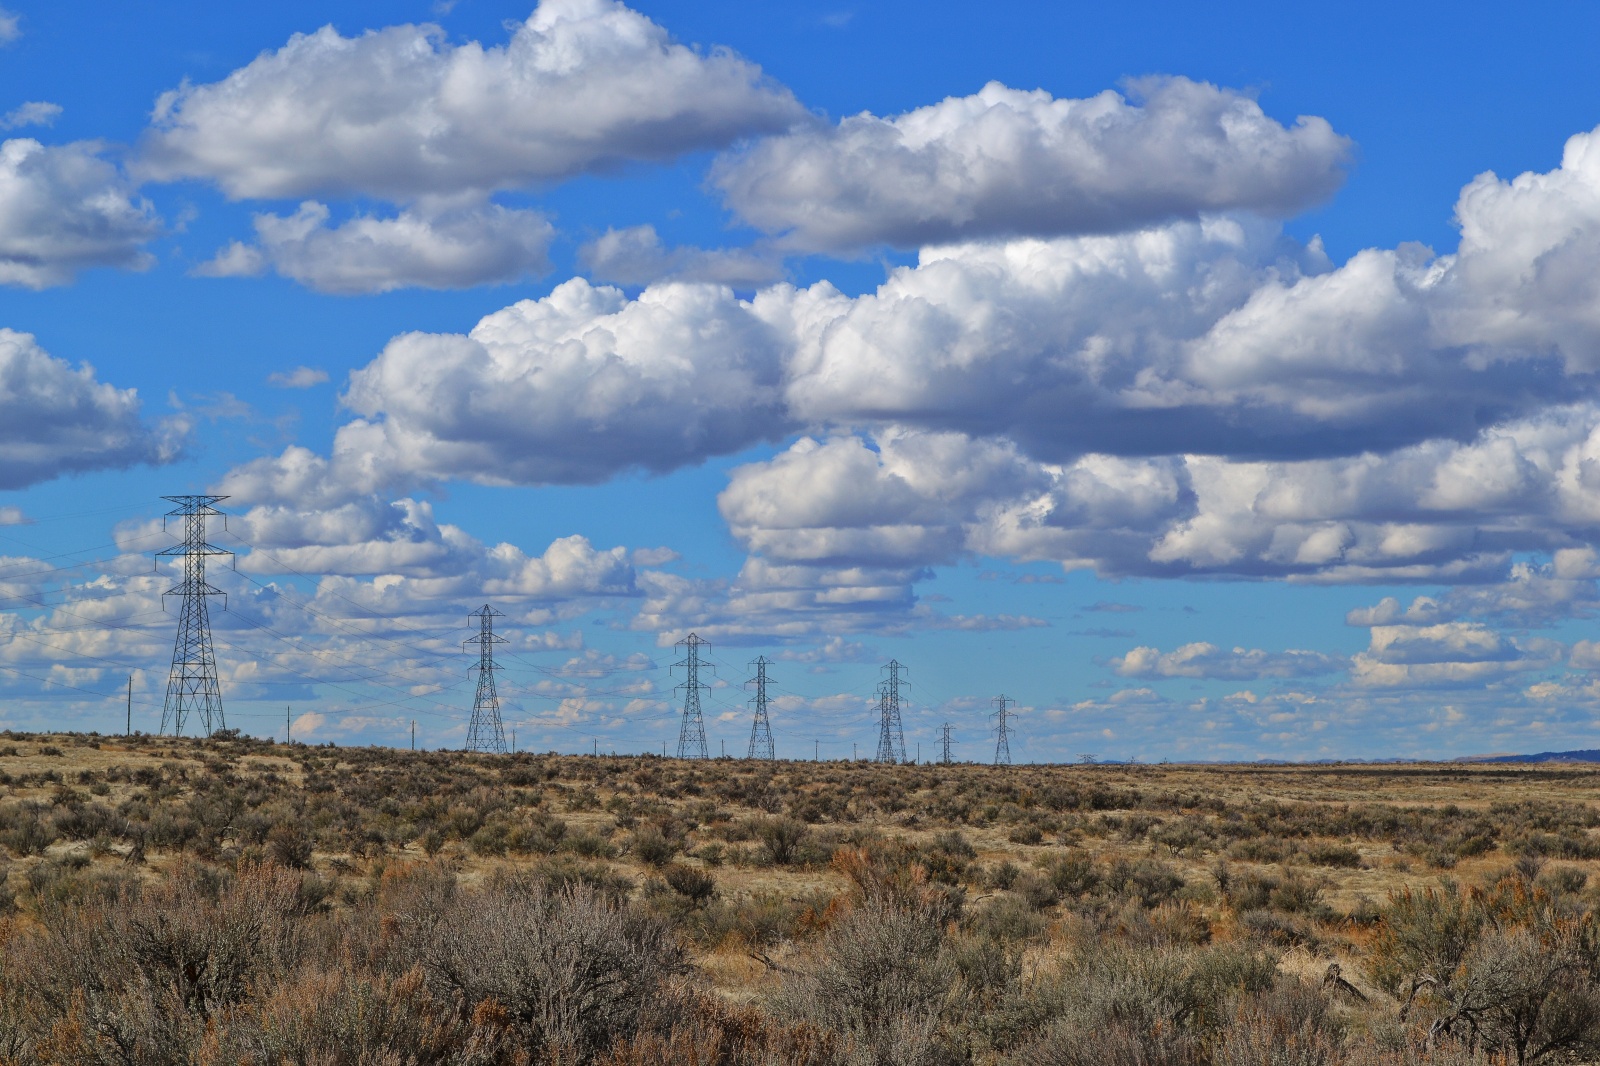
column 761, row 729
column 944, row 745
column 192, row 684
column 1002, row 743
column 891, row 737
column 485, row 732
column 692, row 732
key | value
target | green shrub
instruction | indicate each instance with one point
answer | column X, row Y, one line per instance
column 691, row 882
column 781, row 836
column 652, row 847
column 1336, row 855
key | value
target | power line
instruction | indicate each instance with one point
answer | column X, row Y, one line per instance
column 1002, row 744
column 341, row 623
column 891, row 736
column 293, row 643
column 339, row 685
column 485, row 732
column 761, row 728
column 7, row 579
column 692, row 730
column 944, row 744
column 63, row 684
column 192, row 685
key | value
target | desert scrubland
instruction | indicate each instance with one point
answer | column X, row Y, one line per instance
column 233, row 901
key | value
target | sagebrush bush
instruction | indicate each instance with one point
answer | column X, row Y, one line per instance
column 570, row 971
column 880, row 978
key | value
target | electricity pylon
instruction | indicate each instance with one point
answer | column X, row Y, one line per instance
column 1002, row 743
column 944, row 745
column 761, row 729
column 692, row 733
column 485, row 732
column 192, row 684
column 891, row 738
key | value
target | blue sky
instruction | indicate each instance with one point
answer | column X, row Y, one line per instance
column 1217, row 384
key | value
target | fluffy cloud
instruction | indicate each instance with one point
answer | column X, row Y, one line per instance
column 1446, row 654
column 636, row 256
column 903, row 502
column 32, row 113
column 1200, row 397
column 1206, row 660
column 64, row 209
column 298, row 477
column 391, row 640
column 453, row 248
column 9, row 28
column 1006, row 163
column 839, row 530
column 767, row 603
column 1447, row 642
column 1439, row 511
column 301, row 377
column 575, row 387
column 1435, row 511
column 1219, row 338
column 55, row 420
column 1531, row 595
column 583, row 85
column 908, row 499
column 410, row 553
column 1214, row 343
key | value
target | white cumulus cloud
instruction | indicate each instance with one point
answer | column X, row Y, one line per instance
column 582, row 85
column 57, row 420
column 1205, row 660
column 574, row 387
column 32, row 113
column 1005, row 162
column 64, row 209
column 453, row 248
column 637, row 256
column 301, row 377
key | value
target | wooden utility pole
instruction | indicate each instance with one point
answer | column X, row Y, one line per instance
column 130, row 705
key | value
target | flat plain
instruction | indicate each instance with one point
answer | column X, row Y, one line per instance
column 231, row 900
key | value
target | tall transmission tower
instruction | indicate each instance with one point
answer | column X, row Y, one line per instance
column 692, row 733
column 891, row 738
column 192, row 684
column 761, row 729
column 485, row 732
column 1002, row 742
column 944, row 745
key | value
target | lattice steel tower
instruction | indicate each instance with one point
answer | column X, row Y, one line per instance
column 1002, row 743
column 944, row 745
column 485, row 732
column 692, row 733
column 891, row 738
column 761, row 729
column 192, row 685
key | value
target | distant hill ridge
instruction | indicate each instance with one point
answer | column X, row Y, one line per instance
column 1585, row 755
